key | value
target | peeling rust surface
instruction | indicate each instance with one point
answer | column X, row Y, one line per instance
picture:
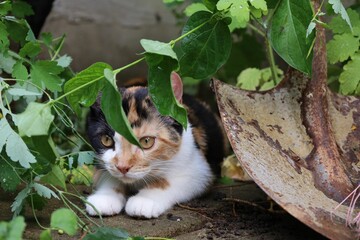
column 275, row 157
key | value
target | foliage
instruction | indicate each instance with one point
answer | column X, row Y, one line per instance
column 13, row 229
column 39, row 99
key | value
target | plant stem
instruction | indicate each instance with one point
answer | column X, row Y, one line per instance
column 116, row 71
column 59, row 48
column 172, row 42
column 257, row 30
column 270, row 55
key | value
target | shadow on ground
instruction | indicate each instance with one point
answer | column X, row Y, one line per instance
column 238, row 211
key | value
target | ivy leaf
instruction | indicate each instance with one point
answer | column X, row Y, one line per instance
column 193, row 8
column 35, row 120
column 83, row 89
column 19, row 71
column 44, row 191
column 18, row 203
column 107, row 233
column 45, row 72
column 9, row 179
column 111, row 105
column 249, row 79
column 288, row 33
column 350, row 78
column 64, row 61
column 56, row 177
column 64, row 219
column 239, row 11
column 342, row 47
column 339, row 8
column 21, row 9
column 16, row 149
column 205, row 50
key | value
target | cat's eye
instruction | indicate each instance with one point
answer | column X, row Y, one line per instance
column 147, row 142
column 107, row 141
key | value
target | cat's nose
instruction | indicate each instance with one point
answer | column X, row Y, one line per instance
column 123, row 169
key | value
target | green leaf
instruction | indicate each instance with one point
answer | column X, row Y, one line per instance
column 19, row 71
column 56, row 177
column 21, row 9
column 46, row 235
column 205, row 50
column 35, row 120
column 5, row 7
column 18, row 30
column 18, row 203
column 259, row 4
column 339, row 25
column 64, row 61
column 6, row 63
column 210, row 4
column 45, row 73
column 111, row 105
column 12, row 230
column 340, row 9
column 64, row 219
column 110, row 76
column 31, row 49
column 16, row 149
column 157, row 47
column 249, row 79
column 350, row 78
column 86, row 157
column 310, row 28
column 288, row 33
column 9, row 179
column 342, row 47
column 21, row 92
column 44, row 191
column 83, row 89
column 160, row 89
column 107, row 233
column 239, row 11
column 193, row 8
column 4, row 40
column 47, row 38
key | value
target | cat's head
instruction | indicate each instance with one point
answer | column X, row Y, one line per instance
column 160, row 137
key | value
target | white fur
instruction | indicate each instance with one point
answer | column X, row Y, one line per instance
column 187, row 173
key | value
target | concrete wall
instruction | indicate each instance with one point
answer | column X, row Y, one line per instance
column 110, row 30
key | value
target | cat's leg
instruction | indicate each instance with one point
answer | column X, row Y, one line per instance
column 153, row 201
column 108, row 199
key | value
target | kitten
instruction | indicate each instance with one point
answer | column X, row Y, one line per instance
column 174, row 166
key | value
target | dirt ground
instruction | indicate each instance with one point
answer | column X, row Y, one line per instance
column 238, row 211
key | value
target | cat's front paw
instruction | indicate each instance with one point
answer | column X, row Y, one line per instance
column 144, row 207
column 106, row 204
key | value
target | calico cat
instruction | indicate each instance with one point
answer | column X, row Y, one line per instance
column 174, row 166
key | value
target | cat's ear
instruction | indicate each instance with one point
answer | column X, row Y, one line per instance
column 177, row 86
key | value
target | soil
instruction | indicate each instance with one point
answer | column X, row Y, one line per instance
column 239, row 211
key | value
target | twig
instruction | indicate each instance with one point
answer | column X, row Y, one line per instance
column 252, row 204
column 198, row 210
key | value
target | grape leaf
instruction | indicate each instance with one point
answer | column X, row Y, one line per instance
column 288, row 33
column 35, row 120
column 350, row 77
column 19, row 71
column 56, row 177
column 64, row 61
column 45, row 72
column 16, row 149
column 249, row 79
column 8, row 177
column 111, row 105
column 83, row 89
column 205, row 50
column 193, row 8
column 340, row 9
column 64, row 219
column 342, row 47
column 44, row 191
